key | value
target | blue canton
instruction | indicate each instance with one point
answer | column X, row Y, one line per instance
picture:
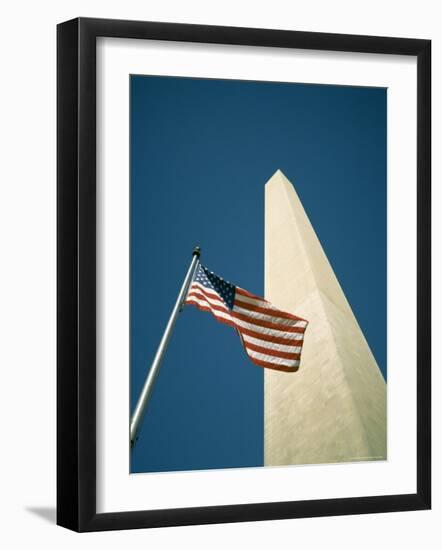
column 224, row 289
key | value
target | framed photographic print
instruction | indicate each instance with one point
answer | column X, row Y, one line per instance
column 243, row 274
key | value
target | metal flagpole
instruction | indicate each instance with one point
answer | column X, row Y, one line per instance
column 146, row 392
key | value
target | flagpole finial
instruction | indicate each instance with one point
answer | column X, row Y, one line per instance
column 196, row 251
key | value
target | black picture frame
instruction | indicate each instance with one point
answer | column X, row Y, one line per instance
column 76, row 274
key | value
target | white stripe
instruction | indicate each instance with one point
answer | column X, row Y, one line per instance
column 208, row 290
column 271, row 359
column 265, row 305
column 203, row 303
column 271, row 332
column 213, row 298
column 271, row 345
column 210, row 301
column 254, row 301
column 271, row 318
column 254, row 328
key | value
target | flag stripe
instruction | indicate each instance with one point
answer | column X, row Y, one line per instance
column 221, row 318
column 205, row 290
column 272, row 351
column 259, row 331
column 216, row 310
column 268, row 316
column 248, row 297
column 273, row 366
column 267, row 324
column 252, row 318
column 249, row 294
column 272, row 359
column 266, row 336
column 267, row 311
column 272, row 345
column 215, row 304
column 254, row 301
column 271, row 338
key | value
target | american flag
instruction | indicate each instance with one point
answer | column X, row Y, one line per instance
column 271, row 338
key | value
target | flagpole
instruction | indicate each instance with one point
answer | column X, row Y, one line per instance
column 146, row 392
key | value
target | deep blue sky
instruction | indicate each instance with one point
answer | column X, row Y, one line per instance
column 201, row 152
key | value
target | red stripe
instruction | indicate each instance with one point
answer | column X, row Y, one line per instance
column 274, row 353
column 198, row 292
column 270, row 338
column 267, row 311
column 267, row 324
column 202, row 297
column 211, row 293
column 206, row 292
column 272, row 366
column 210, row 307
column 249, row 294
column 218, row 318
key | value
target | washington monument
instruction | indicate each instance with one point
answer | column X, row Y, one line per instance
column 334, row 408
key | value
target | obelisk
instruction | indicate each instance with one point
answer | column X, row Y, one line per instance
column 334, row 408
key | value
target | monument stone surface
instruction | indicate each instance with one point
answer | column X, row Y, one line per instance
column 334, row 408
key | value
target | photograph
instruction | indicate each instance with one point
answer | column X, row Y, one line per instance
column 243, row 274
column 221, row 247
column 258, row 274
